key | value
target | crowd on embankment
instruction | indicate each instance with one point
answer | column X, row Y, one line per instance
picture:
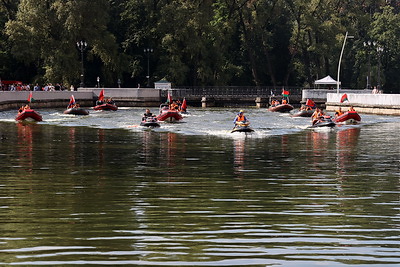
column 18, row 86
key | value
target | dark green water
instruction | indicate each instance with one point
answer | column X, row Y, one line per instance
column 79, row 195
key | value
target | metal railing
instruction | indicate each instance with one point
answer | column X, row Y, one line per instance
column 229, row 91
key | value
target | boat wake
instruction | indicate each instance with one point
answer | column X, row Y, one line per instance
column 212, row 122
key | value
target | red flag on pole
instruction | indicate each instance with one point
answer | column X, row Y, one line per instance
column 310, row 103
column 30, row 98
column 169, row 98
column 101, row 95
column 184, row 105
column 71, row 102
column 344, row 98
column 285, row 93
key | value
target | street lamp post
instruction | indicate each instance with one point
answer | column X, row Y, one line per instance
column 148, row 51
column 82, row 45
column 340, row 60
column 379, row 49
column 368, row 45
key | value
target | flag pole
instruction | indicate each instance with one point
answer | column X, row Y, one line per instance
column 340, row 61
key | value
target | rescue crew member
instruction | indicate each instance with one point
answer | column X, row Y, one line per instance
column 24, row 108
column 147, row 113
column 338, row 112
column 275, row 103
column 173, row 106
column 318, row 113
column 110, row 101
column 240, row 118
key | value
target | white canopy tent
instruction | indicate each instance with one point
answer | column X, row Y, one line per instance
column 327, row 80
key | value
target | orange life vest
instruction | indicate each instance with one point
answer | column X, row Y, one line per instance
column 339, row 113
column 241, row 118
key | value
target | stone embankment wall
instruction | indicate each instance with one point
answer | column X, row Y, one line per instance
column 382, row 104
column 385, row 104
column 14, row 100
column 86, row 97
column 128, row 97
column 320, row 95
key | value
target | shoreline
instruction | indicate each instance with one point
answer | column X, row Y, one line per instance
column 379, row 104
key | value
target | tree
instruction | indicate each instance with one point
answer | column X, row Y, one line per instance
column 8, row 8
column 385, row 29
column 200, row 42
column 187, row 42
column 45, row 33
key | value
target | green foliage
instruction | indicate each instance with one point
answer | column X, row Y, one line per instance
column 45, row 33
column 386, row 31
column 200, row 42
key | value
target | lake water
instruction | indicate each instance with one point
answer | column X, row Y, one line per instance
column 101, row 190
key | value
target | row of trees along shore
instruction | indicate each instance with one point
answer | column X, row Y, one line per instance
column 201, row 42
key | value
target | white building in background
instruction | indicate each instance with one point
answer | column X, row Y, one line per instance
column 162, row 84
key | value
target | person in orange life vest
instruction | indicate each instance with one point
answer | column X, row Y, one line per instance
column 240, row 118
column 318, row 113
column 284, row 101
column 174, row 106
column 338, row 112
column 178, row 105
column 351, row 108
column 110, row 101
column 23, row 108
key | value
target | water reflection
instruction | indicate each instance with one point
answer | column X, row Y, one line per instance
column 165, row 199
column 170, row 153
column 151, row 149
column 285, row 144
column 319, row 141
column 238, row 156
column 25, row 145
column 101, row 141
column 346, row 147
column 72, row 145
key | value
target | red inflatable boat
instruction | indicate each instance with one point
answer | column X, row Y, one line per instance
column 105, row 106
column 281, row 108
column 28, row 114
column 348, row 116
column 169, row 115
